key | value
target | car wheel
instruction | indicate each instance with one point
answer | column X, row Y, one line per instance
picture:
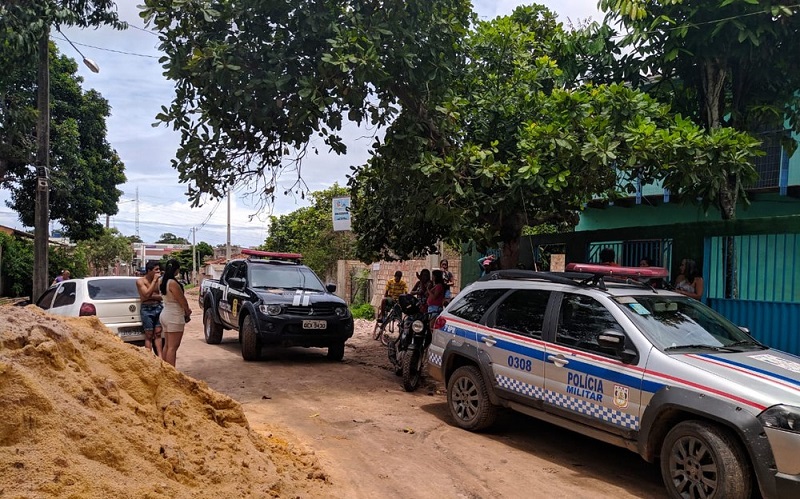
column 251, row 347
column 412, row 370
column 211, row 330
column 468, row 399
column 699, row 459
column 336, row 351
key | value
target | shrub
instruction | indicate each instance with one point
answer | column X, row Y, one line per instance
column 363, row 311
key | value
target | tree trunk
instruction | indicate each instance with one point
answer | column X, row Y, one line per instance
column 713, row 74
column 510, row 233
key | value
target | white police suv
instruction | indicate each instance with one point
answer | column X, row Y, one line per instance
column 601, row 353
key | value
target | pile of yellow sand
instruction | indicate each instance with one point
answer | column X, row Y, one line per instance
column 84, row 415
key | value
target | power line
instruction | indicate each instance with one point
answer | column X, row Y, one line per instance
column 108, row 50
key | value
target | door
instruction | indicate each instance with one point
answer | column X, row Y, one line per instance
column 515, row 345
column 230, row 301
column 64, row 301
column 584, row 379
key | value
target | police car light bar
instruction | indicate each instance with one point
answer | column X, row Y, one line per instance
column 272, row 254
column 609, row 270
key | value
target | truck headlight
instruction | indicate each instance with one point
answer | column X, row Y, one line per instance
column 781, row 417
column 340, row 311
column 417, row 326
column 270, row 309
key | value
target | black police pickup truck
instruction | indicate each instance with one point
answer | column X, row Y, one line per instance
column 272, row 299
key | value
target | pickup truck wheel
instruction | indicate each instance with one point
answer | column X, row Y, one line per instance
column 251, row 347
column 468, row 399
column 336, row 351
column 700, row 459
column 211, row 330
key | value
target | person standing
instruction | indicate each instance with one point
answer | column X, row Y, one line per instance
column 64, row 276
column 151, row 307
column 447, row 277
column 435, row 299
column 608, row 257
column 689, row 282
column 487, row 264
column 423, row 285
column 176, row 311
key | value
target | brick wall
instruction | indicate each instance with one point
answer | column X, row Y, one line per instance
column 380, row 272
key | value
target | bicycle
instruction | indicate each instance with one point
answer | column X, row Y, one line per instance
column 389, row 329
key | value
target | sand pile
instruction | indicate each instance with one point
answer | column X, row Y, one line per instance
column 83, row 415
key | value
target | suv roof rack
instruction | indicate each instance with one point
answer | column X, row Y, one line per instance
column 272, row 255
column 586, row 275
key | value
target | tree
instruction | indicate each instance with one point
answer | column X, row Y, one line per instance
column 16, row 263
column 185, row 257
column 256, row 81
column 309, row 231
column 170, row 238
column 526, row 150
column 135, row 239
column 716, row 62
column 85, row 170
column 725, row 64
column 106, row 250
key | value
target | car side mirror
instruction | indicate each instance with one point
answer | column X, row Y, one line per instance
column 236, row 283
column 615, row 341
column 331, row 287
column 744, row 329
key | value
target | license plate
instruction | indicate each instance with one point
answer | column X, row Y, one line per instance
column 130, row 331
column 315, row 325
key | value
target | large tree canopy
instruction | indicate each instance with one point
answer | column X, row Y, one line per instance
column 723, row 63
column 85, row 170
column 526, row 149
column 484, row 132
column 257, row 81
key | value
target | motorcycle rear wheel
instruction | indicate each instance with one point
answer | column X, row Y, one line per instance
column 412, row 370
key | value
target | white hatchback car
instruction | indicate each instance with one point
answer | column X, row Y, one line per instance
column 114, row 300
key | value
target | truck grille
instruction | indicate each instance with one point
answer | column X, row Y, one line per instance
column 311, row 311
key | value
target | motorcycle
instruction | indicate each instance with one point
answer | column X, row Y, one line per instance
column 407, row 353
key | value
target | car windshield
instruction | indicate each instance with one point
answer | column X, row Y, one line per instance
column 284, row 277
column 675, row 323
column 112, row 289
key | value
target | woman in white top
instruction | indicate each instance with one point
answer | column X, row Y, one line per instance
column 689, row 282
column 176, row 311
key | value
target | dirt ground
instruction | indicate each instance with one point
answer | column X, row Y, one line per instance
column 373, row 439
column 86, row 416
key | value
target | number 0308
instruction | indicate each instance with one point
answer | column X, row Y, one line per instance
column 519, row 363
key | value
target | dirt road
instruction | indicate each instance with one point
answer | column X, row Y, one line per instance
column 375, row 440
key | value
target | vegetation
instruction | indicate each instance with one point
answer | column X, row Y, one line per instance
column 727, row 65
column 170, row 238
column 105, row 251
column 16, row 264
column 485, row 133
column 309, row 231
column 363, row 311
column 202, row 250
column 85, row 170
column 525, row 149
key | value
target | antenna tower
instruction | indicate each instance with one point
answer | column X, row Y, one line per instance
column 137, row 212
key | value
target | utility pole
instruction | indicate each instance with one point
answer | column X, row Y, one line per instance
column 194, row 256
column 137, row 211
column 228, row 246
column 42, row 210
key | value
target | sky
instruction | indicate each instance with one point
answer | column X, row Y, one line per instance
column 131, row 79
